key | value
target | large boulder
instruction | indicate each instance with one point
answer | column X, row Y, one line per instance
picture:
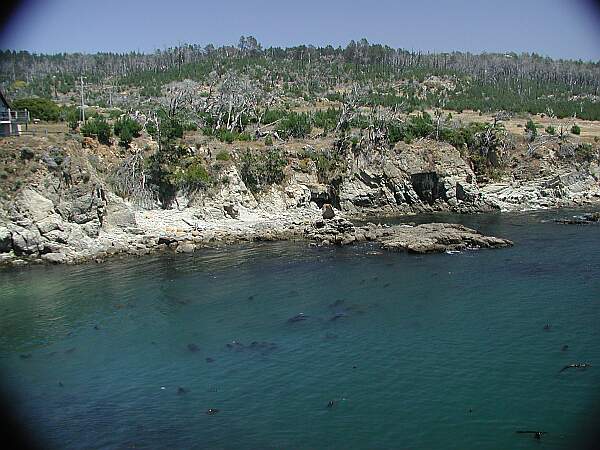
column 118, row 214
column 26, row 241
column 34, row 205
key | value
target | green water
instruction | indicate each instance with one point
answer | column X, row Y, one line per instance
column 416, row 352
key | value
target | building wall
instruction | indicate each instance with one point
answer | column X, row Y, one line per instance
column 4, row 129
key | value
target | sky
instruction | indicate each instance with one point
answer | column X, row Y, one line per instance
column 556, row 28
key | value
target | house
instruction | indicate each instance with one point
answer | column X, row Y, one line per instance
column 10, row 119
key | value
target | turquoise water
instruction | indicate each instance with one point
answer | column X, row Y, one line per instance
column 416, row 352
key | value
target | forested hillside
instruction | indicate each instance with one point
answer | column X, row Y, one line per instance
column 383, row 76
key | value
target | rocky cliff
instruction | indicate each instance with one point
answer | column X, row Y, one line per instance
column 58, row 204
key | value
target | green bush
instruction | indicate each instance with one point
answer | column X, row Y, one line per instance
column 585, row 152
column 192, row 177
column 326, row 119
column 269, row 140
column 71, row 115
column 190, row 126
column 261, row 169
column 223, row 156
column 550, row 130
column 126, row 129
column 297, row 125
column 576, row 129
column 98, row 128
column 114, row 113
column 224, row 135
column 39, row 108
column 531, row 129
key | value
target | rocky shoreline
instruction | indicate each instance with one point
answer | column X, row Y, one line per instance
column 41, row 236
column 66, row 210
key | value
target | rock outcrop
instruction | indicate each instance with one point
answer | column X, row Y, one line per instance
column 556, row 189
column 67, row 209
column 425, row 176
column 425, row 238
column 582, row 219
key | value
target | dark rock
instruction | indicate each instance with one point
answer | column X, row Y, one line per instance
column 50, row 162
column 297, row 318
column 337, row 316
column 235, row 345
column 582, row 219
column 328, row 212
column 193, row 348
column 27, row 153
column 5, row 240
column 337, row 303
column 231, row 210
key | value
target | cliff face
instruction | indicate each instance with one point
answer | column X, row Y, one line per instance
column 425, row 176
column 59, row 206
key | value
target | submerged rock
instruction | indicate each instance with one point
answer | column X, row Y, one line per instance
column 193, row 348
column 582, row 219
column 297, row 318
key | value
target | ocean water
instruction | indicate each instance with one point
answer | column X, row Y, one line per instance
column 414, row 352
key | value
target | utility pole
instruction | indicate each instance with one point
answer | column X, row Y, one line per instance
column 54, row 83
column 82, row 103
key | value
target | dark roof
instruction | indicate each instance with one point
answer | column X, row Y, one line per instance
column 4, row 102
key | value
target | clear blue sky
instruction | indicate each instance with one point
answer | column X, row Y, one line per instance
column 557, row 28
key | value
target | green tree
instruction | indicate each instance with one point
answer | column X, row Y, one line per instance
column 576, row 129
column 164, row 165
column 98, row 128
column 126, row 129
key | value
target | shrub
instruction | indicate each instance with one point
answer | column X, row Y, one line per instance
column 114, row 113
column 71, row 115
column 585, row 152
column 224, row 135
column 326, row 119
column 531, row 130
column 550, row 130
column 126, row 129
column 261, row 169
column 192, row 177
column 297, row 125
column 39, row 108
column 223, row 156
column 190, row 126
column 99, row 128
column 269, row 140
column 576, row 129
